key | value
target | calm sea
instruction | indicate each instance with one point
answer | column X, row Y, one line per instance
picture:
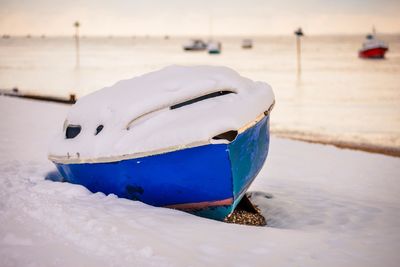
column 338, row 96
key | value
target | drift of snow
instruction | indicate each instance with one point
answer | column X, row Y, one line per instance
column 329, row 207
column 137, row 118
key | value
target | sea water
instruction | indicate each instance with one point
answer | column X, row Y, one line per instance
column 337, row 95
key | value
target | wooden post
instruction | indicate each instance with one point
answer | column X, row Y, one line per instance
column 72, row 98
column 76, row 25
column 298, row 45
column 299, row 33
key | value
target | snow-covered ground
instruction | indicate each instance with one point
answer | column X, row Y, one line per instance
column 330, row 207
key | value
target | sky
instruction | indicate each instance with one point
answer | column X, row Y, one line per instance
column 186, row 17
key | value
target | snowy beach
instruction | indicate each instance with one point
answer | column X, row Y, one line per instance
column 329, row 207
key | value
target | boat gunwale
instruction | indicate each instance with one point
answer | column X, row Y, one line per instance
column 110, row 159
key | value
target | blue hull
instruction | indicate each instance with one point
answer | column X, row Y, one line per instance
column 207, row 180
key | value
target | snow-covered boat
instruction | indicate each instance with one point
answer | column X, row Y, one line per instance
column 214, row 47
column 373, row 48
column 195, row 45
column 247, row 43
column 190, row 138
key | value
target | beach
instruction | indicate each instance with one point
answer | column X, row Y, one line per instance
column 192, row 134
column 324, row 206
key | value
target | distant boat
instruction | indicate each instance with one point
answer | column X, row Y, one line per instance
column 195, row 45
column 214, row 47
column 247, row 43
column 6, row 36
column 373, row 48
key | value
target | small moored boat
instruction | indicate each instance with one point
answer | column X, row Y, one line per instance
column 195, row 45
column 373, row 48
column 214, row 47
column 190, row 138
column 247, row 43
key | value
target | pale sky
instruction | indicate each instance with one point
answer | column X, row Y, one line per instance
column 186, row 17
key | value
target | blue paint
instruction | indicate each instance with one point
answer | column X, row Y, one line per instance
column 217, row 213
column 247, row 154
column 199, row 174
column 185, row 176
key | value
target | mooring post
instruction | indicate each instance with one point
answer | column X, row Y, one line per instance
column 76, row 25
column 72, row 98
column 299, row 33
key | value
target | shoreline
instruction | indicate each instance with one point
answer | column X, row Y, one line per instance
column 325, row 140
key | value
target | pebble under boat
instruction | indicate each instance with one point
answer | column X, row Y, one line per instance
column 190, row 138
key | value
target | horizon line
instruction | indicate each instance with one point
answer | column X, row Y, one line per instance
column 185, row 35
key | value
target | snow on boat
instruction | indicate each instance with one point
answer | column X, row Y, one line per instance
column 195, row 45
column 190, row 138
column 373, row 48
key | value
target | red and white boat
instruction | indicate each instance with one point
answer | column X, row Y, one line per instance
column 373, row 48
